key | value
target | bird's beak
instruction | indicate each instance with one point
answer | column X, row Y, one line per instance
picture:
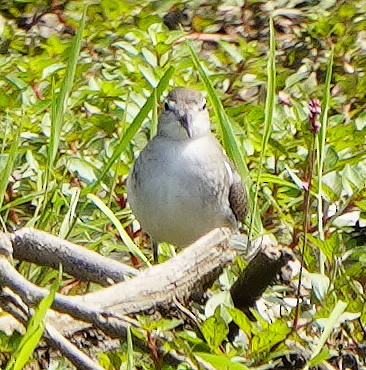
column 186, row 120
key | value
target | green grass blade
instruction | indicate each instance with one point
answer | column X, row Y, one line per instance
column 268, row 116
column 134, row 127
column 130, row 362
column 154, row 118
column 59, row 105
column 34, row 331
column 228, row 137
column 229, row 140
column 19, row 201
column 332, row 322
column 124, row 236
column 70, row 214
column 9, row 166
column 321, row 150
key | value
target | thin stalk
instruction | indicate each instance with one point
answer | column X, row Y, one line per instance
column 305, row 226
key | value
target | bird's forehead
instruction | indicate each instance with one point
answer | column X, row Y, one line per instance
column 185, row 95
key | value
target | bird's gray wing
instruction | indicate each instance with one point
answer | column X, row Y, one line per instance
column 238, row 198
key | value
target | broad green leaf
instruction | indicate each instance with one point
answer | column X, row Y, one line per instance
column 221, row 361
column 241, row 320
column 264, row 340
column 214, row 330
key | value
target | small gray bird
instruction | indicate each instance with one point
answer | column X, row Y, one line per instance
column 182, row 184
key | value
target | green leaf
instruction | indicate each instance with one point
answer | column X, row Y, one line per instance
column 214, row 330
column 268, row 117
column 320, row 284
column 266, row 338
column 84, row 169
column 221, row 361
column 321, row 149
column 241, row 320
column 70, row 214
column 319, row 358
column 162, row 324
column 59, row 105
column 130, row 362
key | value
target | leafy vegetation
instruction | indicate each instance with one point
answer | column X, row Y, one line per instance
column 73, row 123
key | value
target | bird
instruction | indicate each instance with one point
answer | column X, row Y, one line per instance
column 182, row 184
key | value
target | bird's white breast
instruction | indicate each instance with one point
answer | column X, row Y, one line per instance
column 184, row 192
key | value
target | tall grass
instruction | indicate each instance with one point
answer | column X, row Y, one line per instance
column 230, row 142
column 268, row 116
column 58, row 108
column 60, row 103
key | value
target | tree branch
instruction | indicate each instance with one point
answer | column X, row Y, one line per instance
column 155, row 288
column 47, row 250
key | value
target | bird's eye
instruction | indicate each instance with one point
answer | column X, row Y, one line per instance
column 170, row 104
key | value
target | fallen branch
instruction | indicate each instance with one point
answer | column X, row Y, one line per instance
column 154, row 287
column 47, row 250
column 159, row 287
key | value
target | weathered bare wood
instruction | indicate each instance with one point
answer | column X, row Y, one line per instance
column 76, row 357
column 47, row 250
column 189, row 272
column 155, row 288
column 10, row 303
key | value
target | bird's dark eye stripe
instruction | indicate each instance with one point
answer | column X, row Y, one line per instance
column 204, row 106
column 166, row 106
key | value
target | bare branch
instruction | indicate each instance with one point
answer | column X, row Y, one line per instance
column 75, row 356
column 156, row 288
column 11, row 303
column 47, row 250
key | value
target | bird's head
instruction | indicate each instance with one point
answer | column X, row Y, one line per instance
column 185, row 115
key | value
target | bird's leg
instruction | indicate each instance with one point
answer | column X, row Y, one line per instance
column 155, row 251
